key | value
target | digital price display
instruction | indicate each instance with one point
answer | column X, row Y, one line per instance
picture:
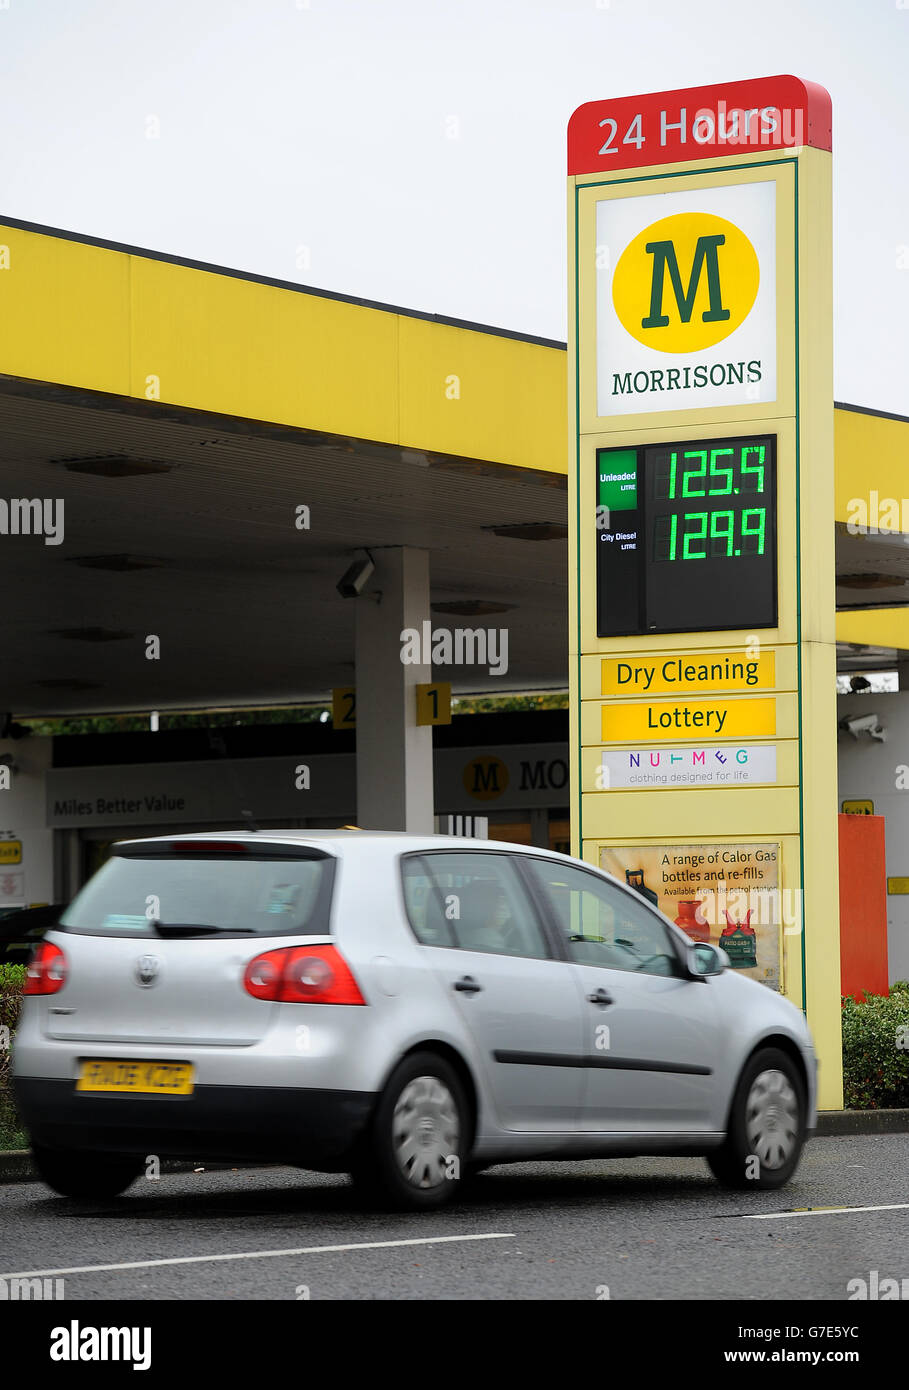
column 686, row 536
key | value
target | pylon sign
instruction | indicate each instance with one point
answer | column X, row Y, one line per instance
column 702, row 521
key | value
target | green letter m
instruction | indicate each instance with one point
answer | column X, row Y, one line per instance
column 663, row 253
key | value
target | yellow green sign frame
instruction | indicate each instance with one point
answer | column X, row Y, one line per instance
column 799, row 811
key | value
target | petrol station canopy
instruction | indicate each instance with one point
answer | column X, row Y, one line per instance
column 185, row 414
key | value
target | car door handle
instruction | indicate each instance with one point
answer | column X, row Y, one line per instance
column 467, row 985
column 601, row 996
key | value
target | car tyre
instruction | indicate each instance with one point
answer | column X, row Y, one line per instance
column 85, row 1176
column 412, row 1156
column 766, row 1128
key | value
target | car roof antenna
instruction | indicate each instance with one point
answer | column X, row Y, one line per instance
column 250, row 823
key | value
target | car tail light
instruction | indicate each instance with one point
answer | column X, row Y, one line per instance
column 46, row 971
column 302, row 975
column 263, row 975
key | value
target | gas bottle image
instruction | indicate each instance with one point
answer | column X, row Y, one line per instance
column 691, row 920
column 635, row 879
column 739, row 941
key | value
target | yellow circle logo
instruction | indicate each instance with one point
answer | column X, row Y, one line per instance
column 485, row 778
column 686, row 282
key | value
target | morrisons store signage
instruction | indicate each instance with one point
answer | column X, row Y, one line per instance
column 701, row 526
column 686, row 299
column 520, row 776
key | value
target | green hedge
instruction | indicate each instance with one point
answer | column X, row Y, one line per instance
column 876, row 1050
column 12, row 978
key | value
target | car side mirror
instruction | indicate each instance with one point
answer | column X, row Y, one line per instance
column 705, row 959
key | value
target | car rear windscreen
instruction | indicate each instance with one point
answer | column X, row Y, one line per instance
column 140, row 895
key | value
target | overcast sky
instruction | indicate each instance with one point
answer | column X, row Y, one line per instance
column 412, row 151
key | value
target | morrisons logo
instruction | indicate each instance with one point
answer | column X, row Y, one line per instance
column 686, row 282
column 664, row 257
column 686, row 378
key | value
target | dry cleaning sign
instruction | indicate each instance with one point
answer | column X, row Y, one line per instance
column 686, row 299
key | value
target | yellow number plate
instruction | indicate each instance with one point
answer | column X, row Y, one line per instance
column 150, row 1078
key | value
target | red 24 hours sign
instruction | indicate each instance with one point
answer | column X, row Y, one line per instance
column 765, row 113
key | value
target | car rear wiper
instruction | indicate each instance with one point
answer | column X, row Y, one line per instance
column 194, row 929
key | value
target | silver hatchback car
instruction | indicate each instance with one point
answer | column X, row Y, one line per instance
column 407, row 1009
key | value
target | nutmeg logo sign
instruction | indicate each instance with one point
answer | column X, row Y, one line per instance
column 686, row 300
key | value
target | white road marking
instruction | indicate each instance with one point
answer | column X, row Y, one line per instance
column 258, row 1254
column 822, row 1211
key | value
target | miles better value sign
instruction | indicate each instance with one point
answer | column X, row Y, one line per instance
column 686, row 299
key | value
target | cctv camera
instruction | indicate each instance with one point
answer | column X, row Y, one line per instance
column 864, row 724
column 354, row 580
